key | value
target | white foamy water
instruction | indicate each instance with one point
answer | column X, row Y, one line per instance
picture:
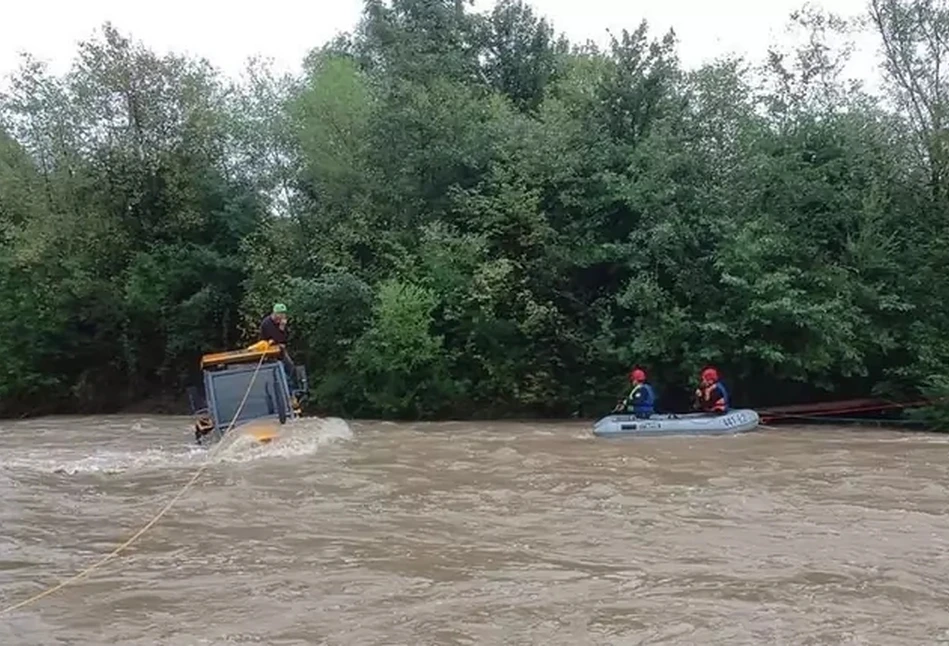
column 119, row 448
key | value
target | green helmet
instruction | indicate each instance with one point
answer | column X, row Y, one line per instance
column 279, row 308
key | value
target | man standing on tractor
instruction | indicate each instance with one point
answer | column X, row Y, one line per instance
column 273, row 328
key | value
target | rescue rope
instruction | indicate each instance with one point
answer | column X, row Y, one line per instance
column 164, row 510
column 867, row 408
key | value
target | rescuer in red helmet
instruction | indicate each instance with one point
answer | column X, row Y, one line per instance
column 641, row 400
column 711, row 396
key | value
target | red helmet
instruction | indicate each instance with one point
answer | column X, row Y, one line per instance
column 710, row 374
column 637, row 375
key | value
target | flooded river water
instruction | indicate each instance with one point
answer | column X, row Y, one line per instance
column 474, row 533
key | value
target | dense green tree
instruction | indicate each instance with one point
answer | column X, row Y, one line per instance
column 468, row 215
column 123, row 261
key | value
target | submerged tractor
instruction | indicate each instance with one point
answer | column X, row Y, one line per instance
column 256, row 373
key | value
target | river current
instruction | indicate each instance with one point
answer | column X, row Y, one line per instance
column 375, row 533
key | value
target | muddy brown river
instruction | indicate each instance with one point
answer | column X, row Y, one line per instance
column 474, row 533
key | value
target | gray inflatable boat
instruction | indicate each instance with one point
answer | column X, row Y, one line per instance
column 659, row 425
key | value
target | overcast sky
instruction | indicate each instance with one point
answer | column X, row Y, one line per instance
column 227, row 34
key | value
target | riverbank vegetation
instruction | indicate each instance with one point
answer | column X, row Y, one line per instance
column 469, row 215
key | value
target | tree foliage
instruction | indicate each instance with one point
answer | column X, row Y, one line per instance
column 469, row 215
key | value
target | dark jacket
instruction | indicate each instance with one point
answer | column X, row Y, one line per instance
column 270, row 331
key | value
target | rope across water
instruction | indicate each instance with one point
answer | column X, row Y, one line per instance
column 151, row 523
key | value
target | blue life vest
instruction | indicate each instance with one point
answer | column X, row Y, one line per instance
column 724, row 391
column 643, row 399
